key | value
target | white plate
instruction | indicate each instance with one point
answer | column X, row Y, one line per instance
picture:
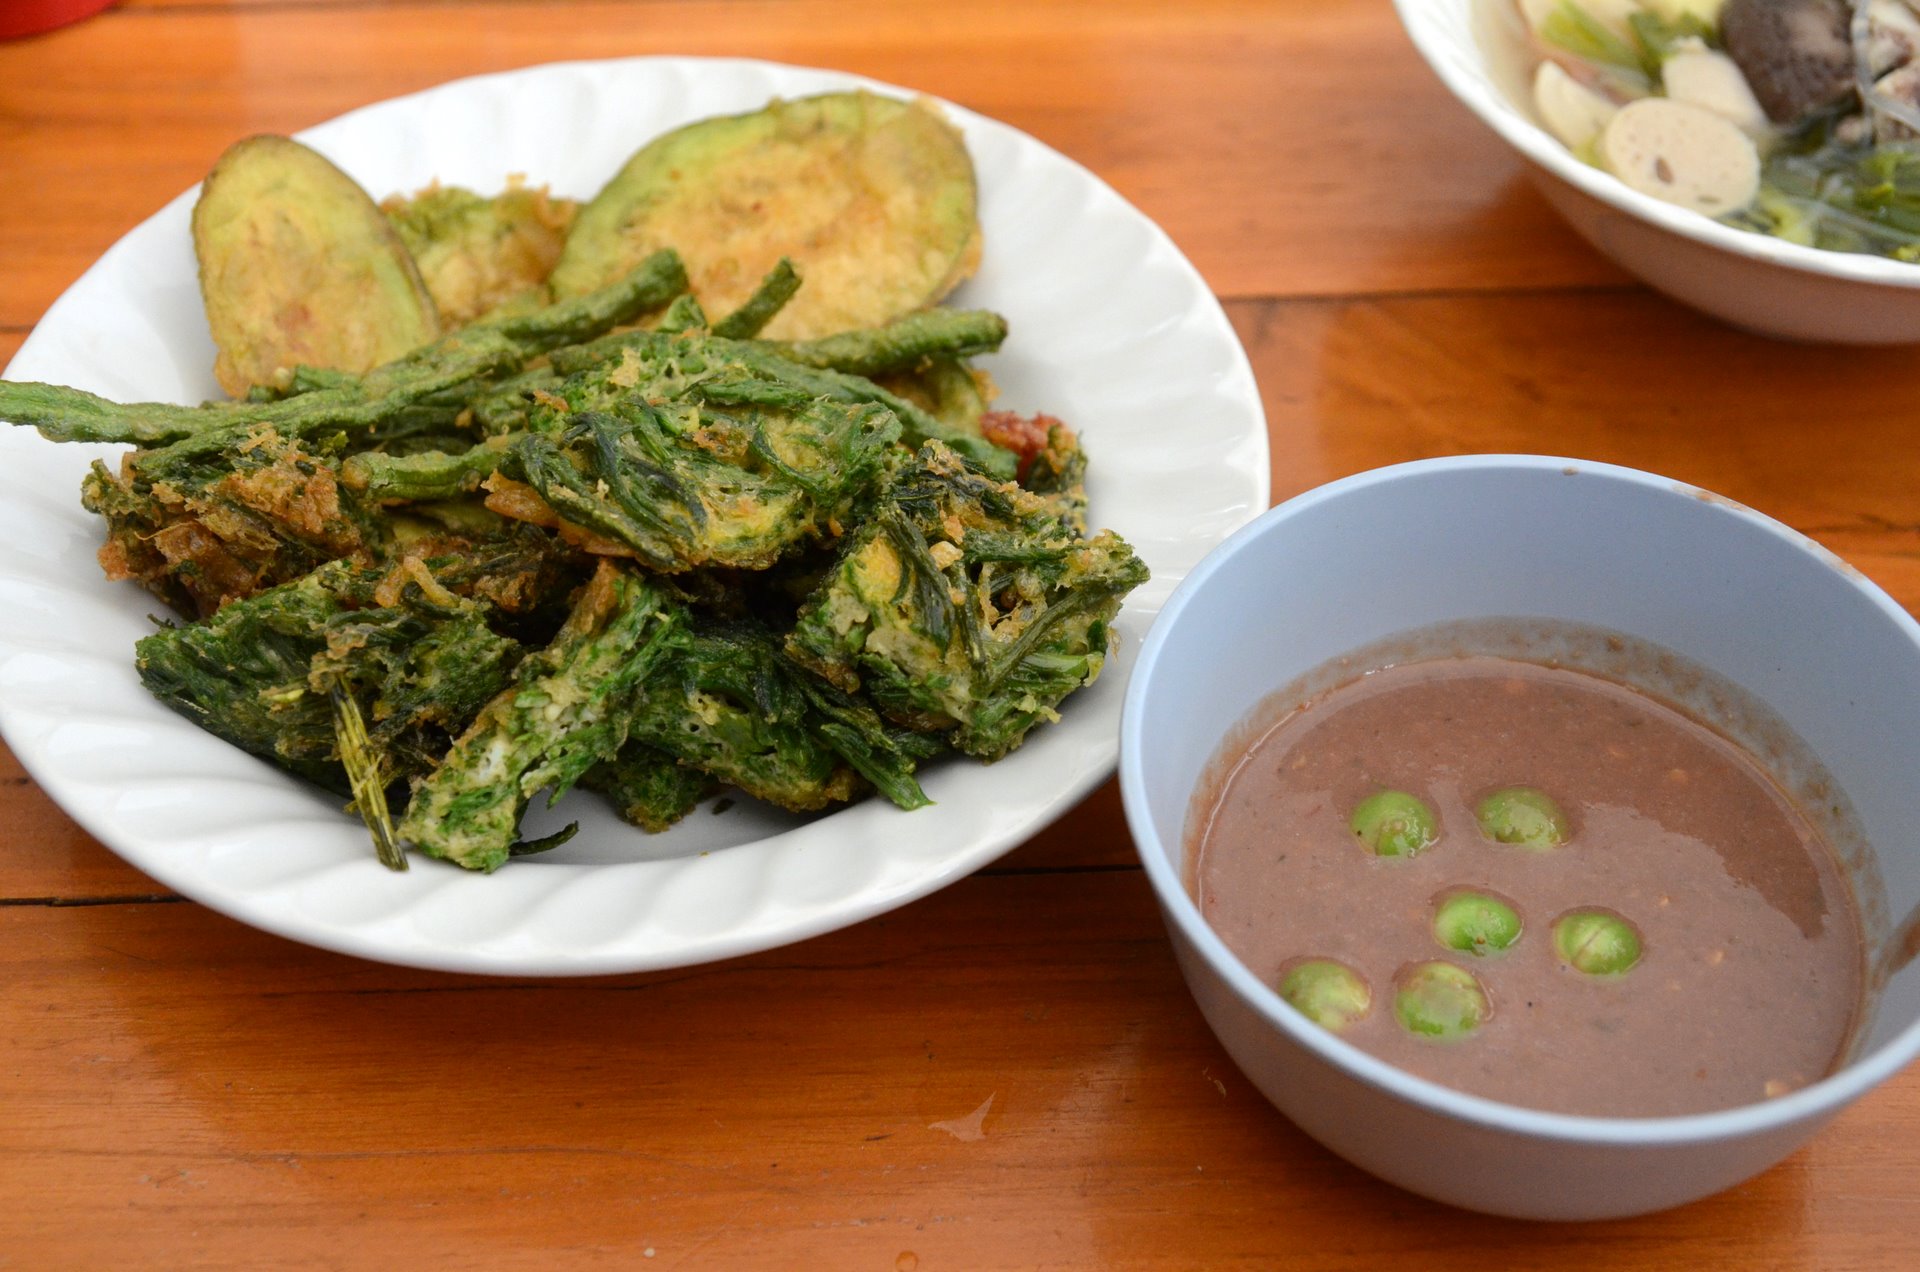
column 1112, row 330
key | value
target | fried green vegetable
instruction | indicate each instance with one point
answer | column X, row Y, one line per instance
column 346, row 404
column 244, row 675
column 234, row 523
column 591, row 542
column 480, row 255
column 948, row 388
column 268, row 514
column 1057, row 472
column 424, row 474
column 887, row 755
column 366, row 776
column 685, row 487
column 688, row 457
column 966, row 607
column 729, row 704
column 524, row 574
column 299, row 268
column 261, row 672
column 916, row 425
column 438, row 381
column 566, row 712
column 871, row 198
column 237, row 499
column 648, row 787
column 683, row 315
column 669, row 364
column 652, row 282
column 903, row 344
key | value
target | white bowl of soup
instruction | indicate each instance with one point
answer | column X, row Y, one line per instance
column 1484, row 52
column 1574, row 876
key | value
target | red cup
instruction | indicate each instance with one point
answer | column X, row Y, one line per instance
column 31, row 17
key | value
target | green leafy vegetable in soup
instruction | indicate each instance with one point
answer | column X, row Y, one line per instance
column 1795, row 118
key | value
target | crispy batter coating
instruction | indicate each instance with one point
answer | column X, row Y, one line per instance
column 276, row 514
column 872, row 198
column 480, row 255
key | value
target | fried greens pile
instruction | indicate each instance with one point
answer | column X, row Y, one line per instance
column 604, row 540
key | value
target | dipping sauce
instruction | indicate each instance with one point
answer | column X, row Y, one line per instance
column 1663, row 931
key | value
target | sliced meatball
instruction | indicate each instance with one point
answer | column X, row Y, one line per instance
column 1682, row 154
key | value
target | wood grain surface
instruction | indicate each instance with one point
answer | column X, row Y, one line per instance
column 1009, row 1073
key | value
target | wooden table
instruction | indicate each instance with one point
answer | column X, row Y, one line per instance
column 177, row 1090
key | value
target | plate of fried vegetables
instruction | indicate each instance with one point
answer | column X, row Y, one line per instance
column 606, row 516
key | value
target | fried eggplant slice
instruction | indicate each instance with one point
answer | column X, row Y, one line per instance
column 478, row 255
column 873, row 199
column 260, row 673
column 966, row 607
column 299, row 268
column 566, row 711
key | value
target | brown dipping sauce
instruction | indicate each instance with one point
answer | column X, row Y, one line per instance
column 1750, row 976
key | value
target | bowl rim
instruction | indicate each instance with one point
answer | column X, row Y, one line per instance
column 1545, row 151
column 1817, row 1100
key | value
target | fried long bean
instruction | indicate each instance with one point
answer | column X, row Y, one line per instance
column 652, row 283
column 768, row 299
column 901, row 344
column 427, row 475
column 449, row 369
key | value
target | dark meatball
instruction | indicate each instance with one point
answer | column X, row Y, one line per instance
column 1796, row 54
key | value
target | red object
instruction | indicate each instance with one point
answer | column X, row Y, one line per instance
column 31, row 17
